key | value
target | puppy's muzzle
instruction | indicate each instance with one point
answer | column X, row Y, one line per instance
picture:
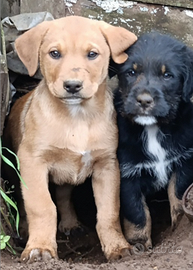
column 72, row 86
column 145, row 101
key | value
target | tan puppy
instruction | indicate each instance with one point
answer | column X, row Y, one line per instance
column 66, row 129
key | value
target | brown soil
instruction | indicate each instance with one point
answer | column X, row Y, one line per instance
column 82, row 251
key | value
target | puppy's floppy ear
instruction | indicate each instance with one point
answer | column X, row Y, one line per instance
column 113, row 68
column 187, row 91
column 118, row 39
column 28, row 44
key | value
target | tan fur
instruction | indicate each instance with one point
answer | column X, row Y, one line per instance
column 136, row 235
column 52, row 134
column 68, row 219
column 176, row 209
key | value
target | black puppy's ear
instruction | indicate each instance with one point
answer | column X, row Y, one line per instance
column 116, row 69
column 187, row 91
column 113, row 68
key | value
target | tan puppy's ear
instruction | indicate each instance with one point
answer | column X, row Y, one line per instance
column 118, row 39
column 28, row 44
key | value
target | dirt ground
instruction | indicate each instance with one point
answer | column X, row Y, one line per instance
column 82, row 251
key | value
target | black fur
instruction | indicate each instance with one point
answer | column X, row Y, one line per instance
column 156, row 81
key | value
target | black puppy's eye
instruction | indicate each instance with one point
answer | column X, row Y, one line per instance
column 92, row 55
column 55, row 54
column 167, row 76
column 131, row 72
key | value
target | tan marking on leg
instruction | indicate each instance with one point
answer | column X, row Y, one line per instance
column 176, row 210
column 136, row 235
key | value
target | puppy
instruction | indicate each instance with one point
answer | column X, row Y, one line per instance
column 65, row 130
column 155, row 121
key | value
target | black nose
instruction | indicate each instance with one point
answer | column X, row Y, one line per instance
column 72, row 86
column 145, row 100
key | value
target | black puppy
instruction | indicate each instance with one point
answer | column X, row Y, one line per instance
column 155, row 120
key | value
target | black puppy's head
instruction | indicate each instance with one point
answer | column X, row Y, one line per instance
column 157, row 76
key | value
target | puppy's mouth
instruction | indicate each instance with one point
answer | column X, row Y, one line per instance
column 71, row 100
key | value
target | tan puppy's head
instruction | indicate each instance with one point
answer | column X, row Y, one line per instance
column 74, row 54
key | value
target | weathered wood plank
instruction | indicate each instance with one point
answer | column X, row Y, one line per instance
column 9, row 8
column 4, row 78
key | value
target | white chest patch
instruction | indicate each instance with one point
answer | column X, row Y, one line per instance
column 160, row 161
column 86, row 168
column 86, row 158
column 154, row 148
column 158, row 165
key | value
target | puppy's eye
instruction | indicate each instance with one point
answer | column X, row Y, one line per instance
column 92, row 55
column 167, row 76
column 55, row 54
column 131, row 72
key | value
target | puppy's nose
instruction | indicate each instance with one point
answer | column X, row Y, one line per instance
column 72, row 86
column 144, row 100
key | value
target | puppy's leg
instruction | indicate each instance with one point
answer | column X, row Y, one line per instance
column 139, row 235
column 178, row 184
column 41, row 211
column 176, row 210
column 105, row 182
column 184, row 177
column 23, row 225
column 137, row 219
column 65, row 208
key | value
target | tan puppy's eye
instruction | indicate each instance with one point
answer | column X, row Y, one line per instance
column 92, row 55
column 55, row 54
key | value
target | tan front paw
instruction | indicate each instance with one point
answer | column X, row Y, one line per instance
column 38, row 254
column 114, row 245
column 115, row 253
column 138, row 236
column 65, row 226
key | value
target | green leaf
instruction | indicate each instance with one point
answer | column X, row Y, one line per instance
column 6, row 238
column 9, row 201
column 10, row 247
column 3, row 245
column 6, row 160
column 16, row 157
